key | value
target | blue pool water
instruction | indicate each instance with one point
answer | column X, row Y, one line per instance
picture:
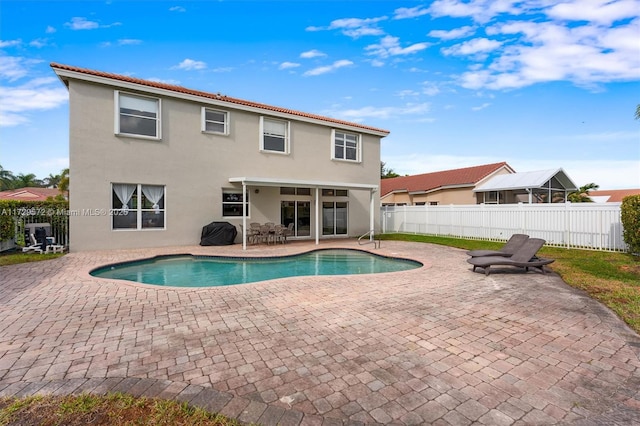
column 210, row 271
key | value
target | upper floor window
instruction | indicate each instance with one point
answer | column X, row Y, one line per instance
column 137, row 115
column 214, row 121
column 274, row 135
column 346, row 146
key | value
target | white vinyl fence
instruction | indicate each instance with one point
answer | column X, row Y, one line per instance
column 595, row 226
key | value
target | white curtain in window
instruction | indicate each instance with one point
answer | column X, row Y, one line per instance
column 124, row 192
column 153, row 194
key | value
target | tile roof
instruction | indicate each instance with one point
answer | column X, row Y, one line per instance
column 29, row 194
column 615, row 195
column 215, row 96
column 468, row 176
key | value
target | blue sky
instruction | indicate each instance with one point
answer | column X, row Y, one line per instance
column 539, row 84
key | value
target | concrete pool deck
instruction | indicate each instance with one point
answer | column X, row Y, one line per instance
column 434, row 345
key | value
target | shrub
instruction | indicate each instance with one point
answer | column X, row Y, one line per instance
column 13, row 214
column 630, row 212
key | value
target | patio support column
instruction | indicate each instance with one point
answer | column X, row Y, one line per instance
column 371, row 214
column 317, row 215
column 244, row 215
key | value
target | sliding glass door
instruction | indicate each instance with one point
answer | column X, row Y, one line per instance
column 334, row 218
column 298, row 213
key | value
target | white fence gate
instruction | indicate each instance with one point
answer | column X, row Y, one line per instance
column 581, row 225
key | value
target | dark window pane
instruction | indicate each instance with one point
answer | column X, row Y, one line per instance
column 137, row 125
column 122, row 220
column 287, row 190
column 233, row 210
column 152, row 219
column 272, row 143
column 214, row 127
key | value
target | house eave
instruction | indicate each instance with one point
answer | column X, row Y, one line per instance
column 65, row 75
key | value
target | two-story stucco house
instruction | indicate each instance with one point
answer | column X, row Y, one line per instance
column 152, row 163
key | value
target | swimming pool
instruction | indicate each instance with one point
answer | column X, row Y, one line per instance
column 212, row 271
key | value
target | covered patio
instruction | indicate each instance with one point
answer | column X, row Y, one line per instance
column 252, row 183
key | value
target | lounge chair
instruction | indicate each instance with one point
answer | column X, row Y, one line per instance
column 34, row 245
column 514, row 243
column 524, row 257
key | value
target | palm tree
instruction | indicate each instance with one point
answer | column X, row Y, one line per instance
column 638, row 112
column 28, row 180
column 7, row 179
column 582, row 194
column 63, row 184
column 52, row 181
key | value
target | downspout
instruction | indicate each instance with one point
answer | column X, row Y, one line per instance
column 317, row 215
column 244, row 215
column 371, row 215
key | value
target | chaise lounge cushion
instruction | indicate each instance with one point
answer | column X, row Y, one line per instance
column 524, row 257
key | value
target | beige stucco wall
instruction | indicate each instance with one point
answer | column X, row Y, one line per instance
column 195, row 168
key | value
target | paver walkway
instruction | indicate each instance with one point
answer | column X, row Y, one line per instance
column 435, row 345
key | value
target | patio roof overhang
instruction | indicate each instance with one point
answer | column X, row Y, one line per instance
column 314, row 184
column 266, row 181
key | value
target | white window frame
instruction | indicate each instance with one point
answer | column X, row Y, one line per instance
column 287, row 136
column 234, row 191
column 358, row 136
column 139, row 210
column 204, row 121
column 158, row 119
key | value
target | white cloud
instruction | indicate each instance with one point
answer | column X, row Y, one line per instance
column 601, row 11
column 586, row 55
column 81, row 23
column 390, row 46
column 177, row 9
column 288, row 65
column 409, row 12
column 479, row 10
column 128, row 41
column 310, row 54
column 190, row 65
column 165, row 81
column 430, row 88
column 353, row 27
column 50, row 30
column 10, row 43
column 460, row 32
column 472, row 47
column 14, row 67
column 380, row 113
column 38, row 94
column 329, row 68
column 481, row 107
column 39, row 42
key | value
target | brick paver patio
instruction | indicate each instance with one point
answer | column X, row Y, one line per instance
column 435, row 345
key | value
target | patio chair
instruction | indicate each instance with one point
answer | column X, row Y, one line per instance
column 524, row 257
column 514, row 243
column 34, row 245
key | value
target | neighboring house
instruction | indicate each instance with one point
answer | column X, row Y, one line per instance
column 445, row 187
column 612, row 195
column 543, row 186
column 153, row 163
column 30, row 194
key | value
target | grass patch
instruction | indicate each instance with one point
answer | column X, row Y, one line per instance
column 13, row 258
column 110, row 409
column 609, row 277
